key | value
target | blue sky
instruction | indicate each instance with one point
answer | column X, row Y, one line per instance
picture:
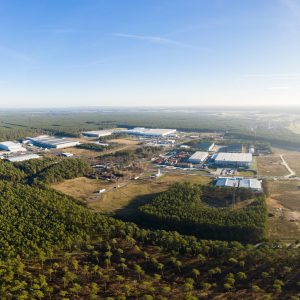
column 149, row 52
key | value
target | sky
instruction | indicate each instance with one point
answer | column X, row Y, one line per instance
column 61, row 53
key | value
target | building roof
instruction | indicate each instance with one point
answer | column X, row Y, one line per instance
column 50, row 140
column 98, row 132
column 199, row 155
column 206, row 145
column 12, row 146
column 22, row 157
column 151, row 131
column 233, row 157
column 250, row 183
column 230, row 182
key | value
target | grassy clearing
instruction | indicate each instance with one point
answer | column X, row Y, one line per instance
column 284, row 206
column 81, row 188
column 126, row 198
column 291, row 157
column 287, row 193
column 125, row 141
column 270, row 165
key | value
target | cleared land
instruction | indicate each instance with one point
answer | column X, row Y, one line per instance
column 284, row 209
column 291, row 157
column 125, row 199
column 81, row 188
column 271, row 165
column 125, row 141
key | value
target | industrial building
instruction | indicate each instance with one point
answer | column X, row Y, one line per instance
column 12, row 146
column 46, row 141
column 198, row 157
column 151, row 132
column 233, row 159
column 97, row 133
column 232, row 148
column 206, row 146
column 22, row 157
column 251, row 183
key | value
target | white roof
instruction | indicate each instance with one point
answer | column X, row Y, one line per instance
column 51, row 140
column 233, row 157
column 10, row 144
column 22, row 157
column 232, row 182
column 99, row 132
column 151, row 131
column 250, row 183
column 199, row 155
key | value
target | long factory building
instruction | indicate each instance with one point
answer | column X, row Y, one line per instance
column 46, row 141
column 97, row 133
column 198, row 157
column 150, row 132
column 249, row 183
column 233, row 159
column 12, row 147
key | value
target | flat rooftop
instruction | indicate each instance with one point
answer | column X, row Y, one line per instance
column 51, row 140
column 22, row 157
column 99, row 132
column 233, row 157
column 151, row 131
column 10, row 144
column 249, row 183
column 199, row 155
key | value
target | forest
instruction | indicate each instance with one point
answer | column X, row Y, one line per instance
column 53, row 248
column 72, row 123
column 181, row 208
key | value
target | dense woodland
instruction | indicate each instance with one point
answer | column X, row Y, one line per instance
column 72, row 123
column 52, row 247
column 181, row 208
column 93, row 147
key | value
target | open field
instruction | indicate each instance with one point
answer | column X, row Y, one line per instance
column 284, row 209
column 270, row 165
column 125, row 141
column 291, row 157
column 81, row 188
column 126, row 198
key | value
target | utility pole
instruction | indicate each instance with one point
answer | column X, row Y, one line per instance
column 233, row 195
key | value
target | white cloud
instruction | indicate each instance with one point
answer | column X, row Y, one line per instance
column 151, row 39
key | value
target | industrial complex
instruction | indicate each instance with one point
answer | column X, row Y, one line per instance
column 49, row 142
column 12, row 146
column 22, row 157
column 233, row 159
column 151, row 132
column 198, row 157
column 251, row 183
column 97, row 133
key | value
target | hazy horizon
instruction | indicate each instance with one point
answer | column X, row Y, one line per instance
column 149, row 53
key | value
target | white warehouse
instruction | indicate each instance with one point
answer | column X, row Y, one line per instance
column 249, row 183
column 151, row 132
column 233, row 159
column 22, row 157
column 198, row 157
column 12, row 146
column 97, row 133
column 46, row 141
